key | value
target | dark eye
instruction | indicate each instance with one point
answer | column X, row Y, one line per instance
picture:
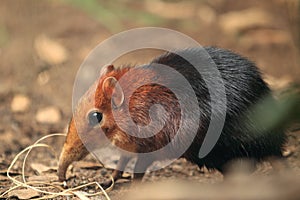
column 94, row 118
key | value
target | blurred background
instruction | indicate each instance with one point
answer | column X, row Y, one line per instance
column 43, row 43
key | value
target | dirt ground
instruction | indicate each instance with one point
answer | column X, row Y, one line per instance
column 44, row 84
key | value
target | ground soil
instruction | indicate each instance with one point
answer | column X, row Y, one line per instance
column 79, row 33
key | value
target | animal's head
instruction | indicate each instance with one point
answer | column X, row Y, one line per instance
column 92, row 118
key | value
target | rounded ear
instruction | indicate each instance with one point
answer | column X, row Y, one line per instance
column 106, row 69
column 111, row 88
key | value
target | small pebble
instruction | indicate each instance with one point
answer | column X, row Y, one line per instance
column 103, row 172
column 48, row 115
column 43, row 78
column 289, row 151
column 177, row 168
column 207, row 14
column 50, row 51
column 236, row 22
column 91, row 191
column 191, row 173
column 20, row 103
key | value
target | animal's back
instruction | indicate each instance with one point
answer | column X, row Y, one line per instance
column 244, row 88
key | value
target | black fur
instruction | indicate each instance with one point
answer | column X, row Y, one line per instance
column 245, row 87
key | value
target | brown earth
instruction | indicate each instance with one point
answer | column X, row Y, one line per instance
column 49, row 83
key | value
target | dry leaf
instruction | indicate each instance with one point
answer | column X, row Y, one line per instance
column 81, row 195
column 40, row 168
column 3, row 178
column 43, row 178
column 23, row 193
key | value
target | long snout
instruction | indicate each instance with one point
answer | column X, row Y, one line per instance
column 64, row 162
column 73, row 150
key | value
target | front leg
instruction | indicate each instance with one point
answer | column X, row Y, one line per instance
column 140, row 168
column 118, row 172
